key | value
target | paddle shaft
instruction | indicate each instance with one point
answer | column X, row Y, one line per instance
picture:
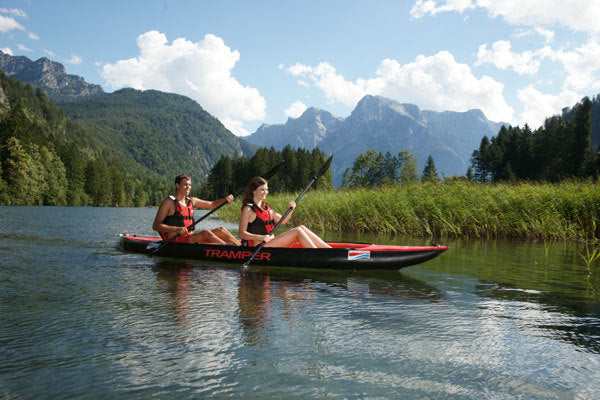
column 289, row 210
column 267, row 175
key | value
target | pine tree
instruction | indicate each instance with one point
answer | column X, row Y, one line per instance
column 55, row 189
column 429, row 171
column 582, row 142
column 18, row 171
column 480, row 160
column 469, row 174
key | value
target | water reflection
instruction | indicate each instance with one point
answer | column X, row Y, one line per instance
column 284, row 294
column 177, row 276
column 268, row 294
column 538, row 286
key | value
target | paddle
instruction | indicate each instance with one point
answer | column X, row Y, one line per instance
column 289, row 210
column 267, row 175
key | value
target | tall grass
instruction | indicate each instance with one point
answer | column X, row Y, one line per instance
column 565, row 211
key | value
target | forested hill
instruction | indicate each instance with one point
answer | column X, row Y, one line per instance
column 165, row 133
column 46, row 158
column 123, row 150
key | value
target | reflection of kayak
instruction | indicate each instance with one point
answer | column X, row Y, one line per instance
column 352, row 256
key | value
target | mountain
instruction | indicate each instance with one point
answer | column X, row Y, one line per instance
column 166, row 133
column 49, row 76
column 384, row 125
column 307, row 131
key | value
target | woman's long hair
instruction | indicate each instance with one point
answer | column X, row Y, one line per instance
column 248, row 197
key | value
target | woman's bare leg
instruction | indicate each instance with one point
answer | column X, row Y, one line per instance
column 288, row 238
column 318, row 242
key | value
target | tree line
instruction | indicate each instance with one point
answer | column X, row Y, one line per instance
column 49, row 159
column 232, row 174
column 373, row 169
column 560, row 149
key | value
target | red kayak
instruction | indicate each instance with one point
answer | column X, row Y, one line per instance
column 350, row 256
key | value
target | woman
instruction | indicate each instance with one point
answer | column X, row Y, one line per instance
column 258, row 220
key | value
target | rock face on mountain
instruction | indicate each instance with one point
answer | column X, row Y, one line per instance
column 384, row 125
column 306, row 131
column 49, row 76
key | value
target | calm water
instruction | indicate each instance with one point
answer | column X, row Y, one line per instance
column 81, row 319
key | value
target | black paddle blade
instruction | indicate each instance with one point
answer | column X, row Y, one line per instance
column 273, row 171
column 325, row 167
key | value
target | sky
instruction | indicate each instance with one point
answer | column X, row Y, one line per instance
column 255, row 62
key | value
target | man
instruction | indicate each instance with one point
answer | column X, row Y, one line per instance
column 176, row 216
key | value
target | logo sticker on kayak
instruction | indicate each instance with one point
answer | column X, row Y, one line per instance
column 359, row 254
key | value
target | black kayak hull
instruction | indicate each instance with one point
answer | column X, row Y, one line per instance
column 347, row 256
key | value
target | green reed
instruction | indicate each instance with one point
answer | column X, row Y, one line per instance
column 565, row 211
column 590, row 256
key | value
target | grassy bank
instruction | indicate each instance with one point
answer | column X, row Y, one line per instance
column 567, row 211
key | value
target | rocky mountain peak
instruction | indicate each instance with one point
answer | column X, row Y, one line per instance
column 50, row 76
column 379, row 107
column 384, row 125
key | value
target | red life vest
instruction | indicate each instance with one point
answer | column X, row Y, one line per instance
column 264, row 222
column 183, row 216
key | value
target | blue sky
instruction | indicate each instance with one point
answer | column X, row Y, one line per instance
column 255, row 62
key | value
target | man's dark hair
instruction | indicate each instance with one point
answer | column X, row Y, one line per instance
column 181, row 177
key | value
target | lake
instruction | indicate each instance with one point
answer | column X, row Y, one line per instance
column 487, row 319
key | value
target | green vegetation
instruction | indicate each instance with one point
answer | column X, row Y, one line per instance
column 372, row 169
column 157, row 134
column 231, row 175
column 560, row 149
column 563, row 211
column 48, row 159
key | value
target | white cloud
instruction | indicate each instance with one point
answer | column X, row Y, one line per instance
column 33, row 36
column 14, row 11
column 201, row 71
column 75, row 60
column 527, row 62
column 578, row 15
column 8, row 24
column 424, row 7
column 50, row 53
column 295, row 109
column 8, row 51
column 547, row 34
column 539, row 106
column 335, row 87
column 440, row 83
column 581, row 65
column 436, row 83
column 23, row 48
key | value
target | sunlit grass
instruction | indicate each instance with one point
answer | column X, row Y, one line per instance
column 565, row 211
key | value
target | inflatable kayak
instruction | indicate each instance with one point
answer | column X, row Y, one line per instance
column 351, row 256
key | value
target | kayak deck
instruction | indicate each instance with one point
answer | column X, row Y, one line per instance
column 350, row 256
